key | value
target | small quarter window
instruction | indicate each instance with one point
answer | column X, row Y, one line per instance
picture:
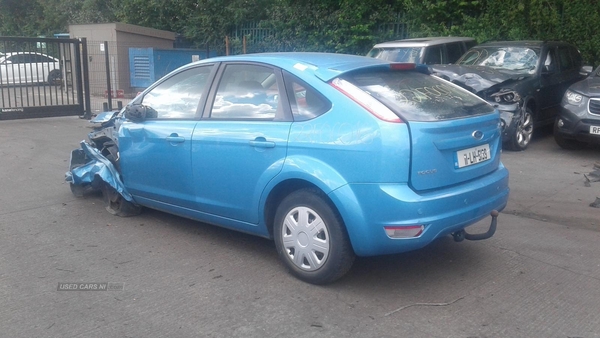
column 305, row 101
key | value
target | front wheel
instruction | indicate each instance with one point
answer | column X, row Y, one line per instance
column 521, row 136
column 311, row 239
column 116, row 204
column 54, row 78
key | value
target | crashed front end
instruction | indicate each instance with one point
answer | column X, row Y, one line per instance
column 511, row 107
column 496, row 87
column 95, row 166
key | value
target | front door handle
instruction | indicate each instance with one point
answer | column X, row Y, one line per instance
column 174, row 138
column 261, row 142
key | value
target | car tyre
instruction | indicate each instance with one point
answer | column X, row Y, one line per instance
column 78, row 190
column 521, row 137
column 311, row 239
column 563, row 142
column 116, row 204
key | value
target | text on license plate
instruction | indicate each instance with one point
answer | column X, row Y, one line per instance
column 595, row 130
column 467, row 157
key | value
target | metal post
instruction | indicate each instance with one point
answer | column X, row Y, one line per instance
column 86, row 77
column 108, row 87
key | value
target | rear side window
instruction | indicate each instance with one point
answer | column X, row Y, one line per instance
column 419, row 97
column 247, row 92
column 454, row 52
column 576, row 57
column 433, row 55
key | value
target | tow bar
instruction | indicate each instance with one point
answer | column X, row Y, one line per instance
column 461, row 235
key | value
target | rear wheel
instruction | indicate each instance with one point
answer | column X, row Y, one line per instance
column 521, row 137
column 563, row 142
column 311, row 239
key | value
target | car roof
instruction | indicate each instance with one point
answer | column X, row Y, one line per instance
column 21, row 53
column 523, row 43
column 422, row 42
column 325, row 66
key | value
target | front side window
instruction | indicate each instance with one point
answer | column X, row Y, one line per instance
column 419, row 97
column 247, row 92
column 565, row 59
column 17, row 59
column 550, row 63
column 516, row 59
column 178, row 97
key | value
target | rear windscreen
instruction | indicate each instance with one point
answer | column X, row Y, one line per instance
column 419, row 97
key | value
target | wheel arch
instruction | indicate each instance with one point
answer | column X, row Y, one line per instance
column 299, row 173
column 532, row 105
column 278, row 193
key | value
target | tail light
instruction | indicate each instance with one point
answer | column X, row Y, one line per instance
column 365, row 100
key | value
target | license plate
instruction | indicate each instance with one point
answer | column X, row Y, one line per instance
column 471, row 156
column 595, row 130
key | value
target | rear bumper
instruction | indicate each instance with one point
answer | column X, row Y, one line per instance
column 367, row 208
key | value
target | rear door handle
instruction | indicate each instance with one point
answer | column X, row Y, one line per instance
column 261, row 142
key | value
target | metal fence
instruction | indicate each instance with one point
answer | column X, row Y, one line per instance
column 40, row 77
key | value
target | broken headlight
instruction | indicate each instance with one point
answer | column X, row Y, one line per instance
column 506, row 96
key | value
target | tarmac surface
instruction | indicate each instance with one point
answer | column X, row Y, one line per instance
column 539, row 276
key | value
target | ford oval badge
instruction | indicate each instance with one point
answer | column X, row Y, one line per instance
column 478, row 135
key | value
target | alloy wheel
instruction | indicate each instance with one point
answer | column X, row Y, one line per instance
column 525, row 130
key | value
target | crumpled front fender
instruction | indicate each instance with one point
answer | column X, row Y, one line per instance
column 88, row 163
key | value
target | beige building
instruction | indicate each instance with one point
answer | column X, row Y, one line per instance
column 120, row 38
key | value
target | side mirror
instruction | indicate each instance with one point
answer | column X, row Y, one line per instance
column 139, row 113
column 586, row 70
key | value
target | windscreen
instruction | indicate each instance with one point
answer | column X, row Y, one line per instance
column 517, row 59
column 398, row 54
column 419, row 97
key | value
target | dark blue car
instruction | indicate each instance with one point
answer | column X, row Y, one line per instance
column 330, row 155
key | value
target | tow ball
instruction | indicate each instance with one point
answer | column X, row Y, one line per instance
column 461, row 235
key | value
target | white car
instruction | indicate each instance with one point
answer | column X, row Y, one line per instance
column 29, row 67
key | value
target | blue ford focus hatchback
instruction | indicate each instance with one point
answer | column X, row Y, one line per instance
column 332, row 156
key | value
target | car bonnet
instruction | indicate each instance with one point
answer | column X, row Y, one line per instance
column 475, row 78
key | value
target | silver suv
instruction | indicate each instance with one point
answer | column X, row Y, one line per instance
column 436, row 50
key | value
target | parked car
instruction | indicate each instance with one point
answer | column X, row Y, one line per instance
column 29, row 68
column 524, row 79
column 578, row 122
column 433, row 50
column 330, row 155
